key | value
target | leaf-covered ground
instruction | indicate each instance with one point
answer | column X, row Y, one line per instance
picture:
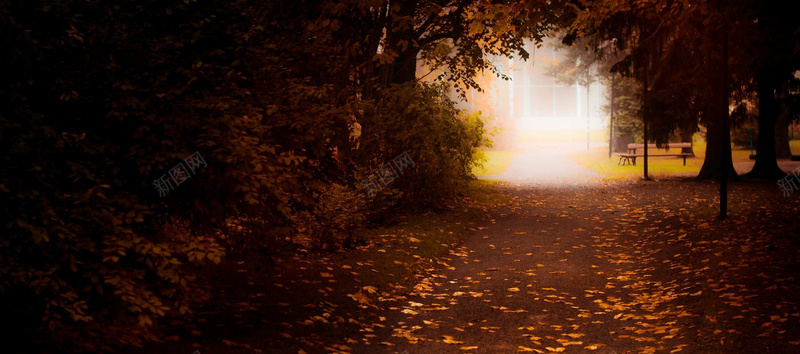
column 626, row 267
column 621, row 266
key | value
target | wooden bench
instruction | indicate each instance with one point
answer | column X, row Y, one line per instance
column 631, row 155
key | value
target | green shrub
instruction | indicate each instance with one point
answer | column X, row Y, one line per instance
column 443, row 142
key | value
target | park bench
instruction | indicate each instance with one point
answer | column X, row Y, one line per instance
column 631, row 155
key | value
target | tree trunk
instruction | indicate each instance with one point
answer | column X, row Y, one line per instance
column 686, row 137
column 724, row 112
column 718, row 135
column 716, row 154
column 405, row 67
column 766, row 165
column 621, row 142
column 611, row 120
column 644, row 125
column 783, row 150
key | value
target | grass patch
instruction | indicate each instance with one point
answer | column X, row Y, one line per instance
column 598, row 160
column 495, row 162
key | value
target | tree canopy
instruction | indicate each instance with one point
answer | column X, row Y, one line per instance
column 297, row 109
column 678, row 47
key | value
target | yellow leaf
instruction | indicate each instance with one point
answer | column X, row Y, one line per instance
column 594, row 346
column 450, row 340
column 360, row 298
column 472, row 347
column 571, row 343
column 370, row 289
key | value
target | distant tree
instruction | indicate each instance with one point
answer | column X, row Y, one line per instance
column 677, row 48
column 586, row 61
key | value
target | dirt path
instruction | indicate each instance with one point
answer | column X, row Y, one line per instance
column 622, row 267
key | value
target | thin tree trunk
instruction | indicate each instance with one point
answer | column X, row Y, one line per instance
column 686, row 137
column 782, row 149
column 726, row 138
column 611, row 119
column 644, row 123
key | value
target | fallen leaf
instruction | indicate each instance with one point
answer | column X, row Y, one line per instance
column 450, row 340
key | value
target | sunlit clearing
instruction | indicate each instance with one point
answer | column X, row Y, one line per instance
column 539, row 117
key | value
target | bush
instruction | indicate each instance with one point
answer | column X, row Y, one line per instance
column 97, row 100
column 443, row 142
column 341, row 213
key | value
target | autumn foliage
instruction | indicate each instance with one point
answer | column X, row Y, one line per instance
column 99, row 99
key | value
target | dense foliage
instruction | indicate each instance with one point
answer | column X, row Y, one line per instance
column 259, row 117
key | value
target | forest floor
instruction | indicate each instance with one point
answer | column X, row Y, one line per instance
column 544, row 264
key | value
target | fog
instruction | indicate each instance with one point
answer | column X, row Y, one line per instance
column 532, row 107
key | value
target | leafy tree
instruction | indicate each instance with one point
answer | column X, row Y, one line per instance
column 98, row 100
column 674, row 51
column 696, row 36
column 459, row 35
column 420, row 119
